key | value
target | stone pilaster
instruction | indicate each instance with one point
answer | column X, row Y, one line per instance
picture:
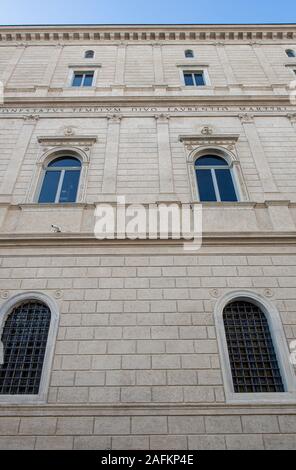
column 227, row 68
column 15, row 58
column 266, row 177
column 111, row 154
column 158, row 64
column 164, row 155
column 54, row 56
column 120, row 64
column 17, row 157
column 267, row 69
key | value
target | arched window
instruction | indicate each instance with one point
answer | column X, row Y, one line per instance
column 24, row 340
column 253, row 361
column 214, row 179
column 189, row 54
column 61, row 180
column 89, row 54
column 290, row 53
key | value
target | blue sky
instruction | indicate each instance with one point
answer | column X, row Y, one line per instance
column 146, row 11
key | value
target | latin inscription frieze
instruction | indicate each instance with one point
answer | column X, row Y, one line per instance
column 105, row 111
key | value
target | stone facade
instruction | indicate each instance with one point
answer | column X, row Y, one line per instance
column 136, row 361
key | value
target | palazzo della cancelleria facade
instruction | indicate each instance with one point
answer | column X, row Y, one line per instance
column 142, row 343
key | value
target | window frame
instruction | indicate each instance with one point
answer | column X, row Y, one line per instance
column 293, row 56
column 92, row 54
column 50, row 154
column 197, row 146
column 195, row 72
column 84, row 73
column 81, row 68
column 279, row 343
column 213, row 169
column 189, row 51
column 235, row 173
column 62, row 171
column 5, row 310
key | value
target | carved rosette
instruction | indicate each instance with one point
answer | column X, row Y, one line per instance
column 207, row 130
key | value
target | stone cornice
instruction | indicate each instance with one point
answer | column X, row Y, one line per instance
column 144, row 409
column 74, row 240
column 87, row 140
column 142, row 33
column 226, row 100
column 191, row 141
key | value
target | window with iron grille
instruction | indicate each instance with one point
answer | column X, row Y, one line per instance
column 24, row 341
column 253, row 360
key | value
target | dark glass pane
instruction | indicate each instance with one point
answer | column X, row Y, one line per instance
column 188, row 79
column 49, row 186
column 65, row 162
column 253, row 360
column 199, row 79
column 24, row 341
column 290, row 53
column 189, row 53
column 225, row 185
column 89, row 54
column 205, row 185
column 70, row 186
column 77, row 80
column 210, row 160
column 88, row 79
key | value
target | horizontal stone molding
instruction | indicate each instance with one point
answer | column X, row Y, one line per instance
column 206, row 409
column 128, row 106
column 223, row 140
column 86, row 140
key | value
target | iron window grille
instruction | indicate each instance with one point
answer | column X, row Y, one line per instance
column 24, row 340
column 253, row 360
